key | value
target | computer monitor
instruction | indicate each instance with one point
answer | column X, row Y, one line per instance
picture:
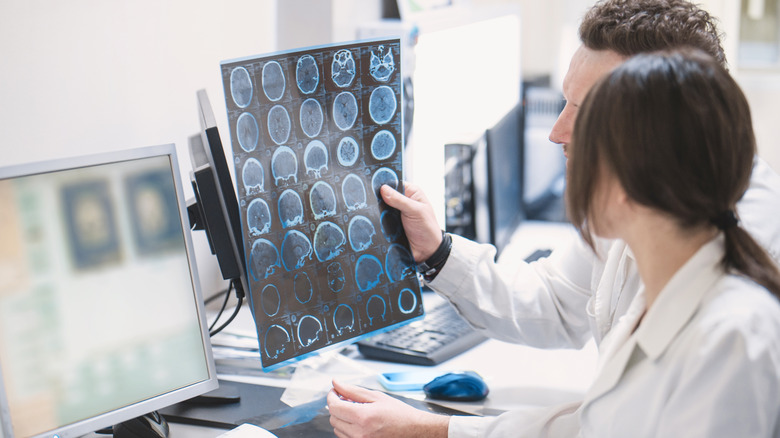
column 216, row 207
column 101, row 314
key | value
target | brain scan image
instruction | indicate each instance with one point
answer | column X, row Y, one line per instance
column 296, row 248
column 307, row 74
column 382, row 104
column 276, row 342
column 290, row 208
column 354, row 192
column 399, row 263
column 392, row 228
column 270, row 300
column 279, row 124
column 407, row 301
column 253, row 176
column 381, row 177
column 329, row 241
column 343, row 318
column 347, row 151
column 345, row 110
column 247, row 132
column 241, row 87
column 273, row 81
column 284, row 166
column 258, row 217
column 315, row 158
column 322, row 200
column 263, row 259
column 302, row 287
column 382, row 63
column 376, row 308
column 336, row 277
column 383, row 145
column 368, row 272
column 361, row 232
column 309, row 330
column 311, row 117
column 342, row 69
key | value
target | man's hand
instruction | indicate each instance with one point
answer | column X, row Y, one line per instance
column 419, row 221
column 357, row 412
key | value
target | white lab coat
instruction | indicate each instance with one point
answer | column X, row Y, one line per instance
column 704, row 362
column 574, row 295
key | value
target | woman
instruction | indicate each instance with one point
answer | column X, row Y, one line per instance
column 662, row 151
column 698, row 352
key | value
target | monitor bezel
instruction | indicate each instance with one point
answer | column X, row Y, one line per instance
column 152, row 403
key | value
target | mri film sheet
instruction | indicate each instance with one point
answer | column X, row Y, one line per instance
column 315, row 134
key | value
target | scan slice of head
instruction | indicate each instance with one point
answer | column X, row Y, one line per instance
column 382, row 104
column 290, row 208
column 383, row 145
column 376, row 308
column 382, row 64
column 284, row 165
column 302, row 287
column 241, row 87
column 276, row 341
column 258, row 217
column 407, row 301
column 347, row 151
column 296, row 248
column 329, row 241
column 253, row 176
column 344, row 319
column 273, row 81
column 381, row 177
column 311, row 117
column 279, row 124
column 368, row 272
column 247, row 132
column 361, row 233
column 354, row 192
column 399, row 263
column 322, row 200
column 342, row 69
column 336, row 277
column 270, row 300
column 307, row 74
column 263, row 259
column 345, row 110
column 309, row 330
column 315, row 158
column 390, row 221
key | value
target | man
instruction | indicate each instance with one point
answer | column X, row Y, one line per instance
column 572, row 296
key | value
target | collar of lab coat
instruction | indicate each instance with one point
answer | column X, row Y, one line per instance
column 673, row 308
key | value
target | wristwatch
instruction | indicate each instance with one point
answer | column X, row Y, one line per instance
column 431, row 267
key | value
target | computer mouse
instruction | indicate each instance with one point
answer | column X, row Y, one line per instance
column 151, row 425
column 459, row 386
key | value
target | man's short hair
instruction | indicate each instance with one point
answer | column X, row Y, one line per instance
column 630, row 27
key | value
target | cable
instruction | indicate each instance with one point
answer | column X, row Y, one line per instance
column 224, row 304
column 232, row 317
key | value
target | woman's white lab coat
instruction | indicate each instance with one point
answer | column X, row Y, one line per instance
column 705, row 361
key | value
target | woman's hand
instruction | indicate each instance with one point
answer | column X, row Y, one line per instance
column 357, row 412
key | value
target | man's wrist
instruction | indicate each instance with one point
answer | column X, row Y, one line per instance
column 433, row 264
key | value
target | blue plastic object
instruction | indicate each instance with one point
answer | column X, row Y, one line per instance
column 460, row 386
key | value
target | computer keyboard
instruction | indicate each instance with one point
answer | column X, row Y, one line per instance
column 440, row 335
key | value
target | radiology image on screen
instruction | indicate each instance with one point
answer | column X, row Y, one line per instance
column 315, row 134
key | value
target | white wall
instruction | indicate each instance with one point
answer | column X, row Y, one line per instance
column 85, row 76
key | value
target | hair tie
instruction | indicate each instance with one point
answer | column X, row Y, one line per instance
column 725, row 220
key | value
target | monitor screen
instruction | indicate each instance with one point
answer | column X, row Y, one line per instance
column 101, row 317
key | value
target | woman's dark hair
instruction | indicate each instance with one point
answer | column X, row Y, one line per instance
column 630, row 27
column 674, row 129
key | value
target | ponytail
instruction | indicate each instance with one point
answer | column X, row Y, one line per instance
column 748, row 258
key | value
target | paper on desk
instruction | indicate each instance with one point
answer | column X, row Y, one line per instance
column 313, row 377
column 247, row 430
